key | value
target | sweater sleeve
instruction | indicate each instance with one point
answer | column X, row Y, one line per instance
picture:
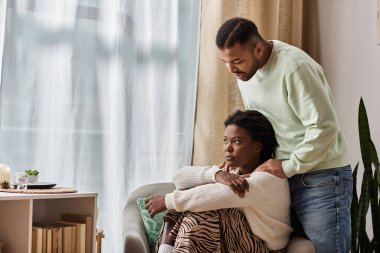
column 309, row 97
column 191, row 176
column 217, row 196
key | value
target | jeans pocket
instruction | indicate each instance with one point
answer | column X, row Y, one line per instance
column 318, row 179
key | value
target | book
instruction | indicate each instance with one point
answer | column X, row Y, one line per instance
column 49, row 239
column 44, row 230
column 85, row 219
column 36, row 239
column 57, row 239
column 80, row 235
column 67, row 233
column 1, row 246
column 68, row 237
column 46, row 236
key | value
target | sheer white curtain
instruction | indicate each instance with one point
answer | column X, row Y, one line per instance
column 3, row 9
column 99, row 95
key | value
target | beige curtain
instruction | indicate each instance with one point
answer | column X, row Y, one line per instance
column 291, row 21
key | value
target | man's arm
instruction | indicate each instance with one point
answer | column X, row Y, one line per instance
column 310, row 98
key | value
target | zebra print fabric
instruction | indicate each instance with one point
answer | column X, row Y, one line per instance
column 218, row 231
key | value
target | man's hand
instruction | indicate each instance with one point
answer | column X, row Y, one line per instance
column 155, row 205
column 273, row 167
column 237, row 183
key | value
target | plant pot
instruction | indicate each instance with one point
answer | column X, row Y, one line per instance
column 32, row 179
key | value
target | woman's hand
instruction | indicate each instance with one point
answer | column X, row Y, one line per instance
column 155, row 204
column 223, row 166
column 237, row 183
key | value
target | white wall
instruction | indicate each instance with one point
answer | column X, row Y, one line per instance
column 350, row 57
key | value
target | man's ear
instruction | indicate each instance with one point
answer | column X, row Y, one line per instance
column 259, row 49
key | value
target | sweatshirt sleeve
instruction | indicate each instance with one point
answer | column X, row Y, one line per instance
column 309, row 97
column 217, row 196
column 191, row 176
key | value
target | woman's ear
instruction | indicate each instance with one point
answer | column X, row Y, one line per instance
column 257, row 146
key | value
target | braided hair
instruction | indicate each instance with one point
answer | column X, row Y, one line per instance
column 258, row 127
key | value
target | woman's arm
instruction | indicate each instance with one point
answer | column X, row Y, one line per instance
column 263, row 188
column 191, row 176
column 217, row 196
column 198, row 199
column 209, row 197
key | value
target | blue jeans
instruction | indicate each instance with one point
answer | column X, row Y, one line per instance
column 321, row 204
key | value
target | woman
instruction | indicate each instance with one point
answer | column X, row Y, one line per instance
column 204, row 193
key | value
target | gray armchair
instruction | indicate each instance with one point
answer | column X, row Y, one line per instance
column 136, row 239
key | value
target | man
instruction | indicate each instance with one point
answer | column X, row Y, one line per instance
column 290, row 89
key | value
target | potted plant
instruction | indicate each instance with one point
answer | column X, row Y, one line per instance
column 369, row 196
column 32, row 175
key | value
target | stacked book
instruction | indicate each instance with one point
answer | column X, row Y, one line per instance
column 72, row 234
column 1, row 246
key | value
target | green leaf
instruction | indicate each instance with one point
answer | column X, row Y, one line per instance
column 354, row 212
column 364, row 136
column 373, row 152
column 375, row 212
column 369, row 157
column 369, row 191
column 31, row 172
column 363, row 209
column 365, row 244
column 375, row 162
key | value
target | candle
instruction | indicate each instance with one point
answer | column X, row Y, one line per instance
column 5, row 172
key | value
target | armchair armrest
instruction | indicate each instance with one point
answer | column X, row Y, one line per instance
column 135, row 237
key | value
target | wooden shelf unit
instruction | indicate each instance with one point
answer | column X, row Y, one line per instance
column 19, row 211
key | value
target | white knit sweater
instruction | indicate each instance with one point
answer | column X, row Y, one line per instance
column 266, row 205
